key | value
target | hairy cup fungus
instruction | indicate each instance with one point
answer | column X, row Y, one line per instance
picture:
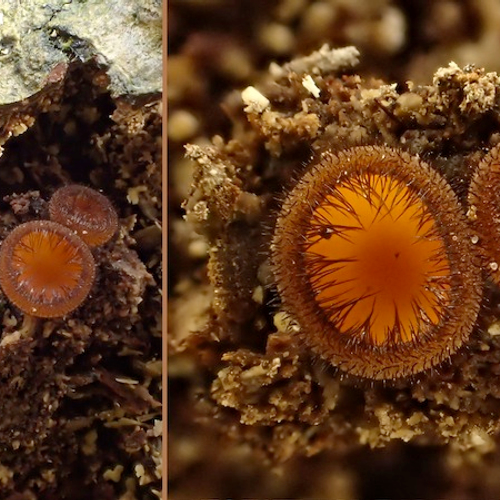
column 373, row 259
column 484, row 210
column 45, row 269
column 86, row 212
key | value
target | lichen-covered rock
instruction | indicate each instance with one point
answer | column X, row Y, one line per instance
column 35, row 38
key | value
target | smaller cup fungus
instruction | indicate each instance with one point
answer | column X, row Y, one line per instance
column 86, row 212
column 373, row 259
column 46, row 270
column 484, row 211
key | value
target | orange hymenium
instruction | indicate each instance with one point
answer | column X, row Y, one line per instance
column 375, row 259
column 384, row 262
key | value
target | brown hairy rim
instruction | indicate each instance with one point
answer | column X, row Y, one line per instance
column 484, row 211
column 373, row 259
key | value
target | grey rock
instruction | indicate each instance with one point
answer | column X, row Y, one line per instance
column 124, row 35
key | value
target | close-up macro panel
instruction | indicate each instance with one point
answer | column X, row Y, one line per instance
column 80, row 250
column 334, row 249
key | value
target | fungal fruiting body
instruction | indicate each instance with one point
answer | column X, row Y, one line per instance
column 45, row 269
column 86, row 212
column 484, row 211
column 373, row 259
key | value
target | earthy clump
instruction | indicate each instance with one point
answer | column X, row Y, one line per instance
column 267, row 223
column 81, row 395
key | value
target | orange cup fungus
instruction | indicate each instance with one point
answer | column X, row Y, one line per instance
column 484, row 211
column 86, row 212
column 46, row 270
column 373, row 259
